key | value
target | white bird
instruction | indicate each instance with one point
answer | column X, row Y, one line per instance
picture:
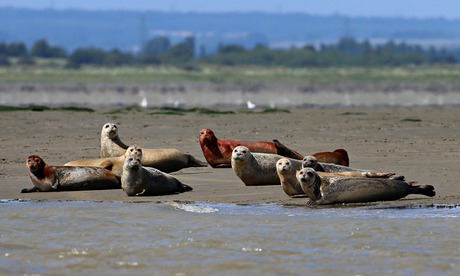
column 143, row 102
column 251, row 105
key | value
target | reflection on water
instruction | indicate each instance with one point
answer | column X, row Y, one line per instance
column 113, row 238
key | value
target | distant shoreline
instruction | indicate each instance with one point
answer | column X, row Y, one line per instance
column 230, row 95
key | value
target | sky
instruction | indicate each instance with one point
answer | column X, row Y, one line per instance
column 381, row 8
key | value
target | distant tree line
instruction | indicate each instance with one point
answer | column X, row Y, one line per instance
column 346, row 52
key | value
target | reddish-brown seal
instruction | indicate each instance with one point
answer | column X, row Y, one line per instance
column 166, row 160
column 338, row 156
column 67, row 178
column 137, row 180
column 218, row 152
column 332, row 190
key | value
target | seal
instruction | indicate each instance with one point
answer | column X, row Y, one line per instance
column 291, row 186
column 137, row 180
column 288, row 178
column 113, row 164
column 218, row 152
column 111, row 145
column 333, row 190
column 311, row 161
column 338, row 156
column 327, row 169
column 257, row 168
column 166, row 160
column 48, row 178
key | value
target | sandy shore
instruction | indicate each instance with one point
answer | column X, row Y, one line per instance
column 420, row 143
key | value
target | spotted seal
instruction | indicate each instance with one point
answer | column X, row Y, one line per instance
column 255, row 168
column 291, row 185
column 332, row 190
column 137, row 180
column 166, row 160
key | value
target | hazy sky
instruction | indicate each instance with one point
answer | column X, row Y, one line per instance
column 404, row 8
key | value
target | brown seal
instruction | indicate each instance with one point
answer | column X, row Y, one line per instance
column 166, row 160
column 338, row 156
column 66, row 178
column 137, row 180
column 257, row 168
column 291, row 186
column 332, row 190
column 218, row 152
column 113, row 164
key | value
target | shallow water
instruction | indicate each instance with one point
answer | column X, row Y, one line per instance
column 230, row 99
column 113, row 238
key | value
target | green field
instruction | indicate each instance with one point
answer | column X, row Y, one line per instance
column 55, row 73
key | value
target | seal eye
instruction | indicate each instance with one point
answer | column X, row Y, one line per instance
column 106, row 126
column 244, row 151
column 310, row 174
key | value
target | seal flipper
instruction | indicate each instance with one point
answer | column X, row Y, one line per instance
column 185, row 188
column 311, row 202
column 141, row 193
column 427, row 190
column 30, row 190
column 285, row 151
column 193, row 162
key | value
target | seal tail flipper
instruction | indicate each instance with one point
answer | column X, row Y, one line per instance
column 185, row 188
column 285, row 151
column 344, row 154
column 30, row 190
column 427, row 190
column 311, row 203
column 193, row 162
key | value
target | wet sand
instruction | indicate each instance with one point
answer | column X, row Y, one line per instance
column 420, row 143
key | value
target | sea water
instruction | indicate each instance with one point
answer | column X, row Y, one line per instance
column 115, row 238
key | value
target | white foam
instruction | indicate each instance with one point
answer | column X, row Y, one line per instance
column 194, row 208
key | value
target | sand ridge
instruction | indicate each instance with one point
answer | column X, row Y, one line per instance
column 418, row 142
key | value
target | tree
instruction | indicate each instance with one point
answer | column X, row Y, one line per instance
column 158, row 46
column 17, row 49
column 155, row 50
column 91, row 56
column 41, row 48
column 116, row 57
column 182, row 52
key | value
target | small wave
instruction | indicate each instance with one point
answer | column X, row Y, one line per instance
column 193, row 208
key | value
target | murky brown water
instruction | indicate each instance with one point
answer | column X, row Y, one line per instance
column 112, row 238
